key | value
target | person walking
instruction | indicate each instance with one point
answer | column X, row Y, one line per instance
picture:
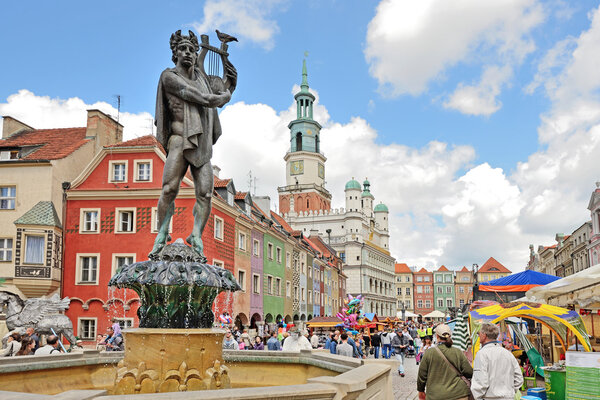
column 426, row 345
column 367, row 340
column 443, row 370
column 400, row 343
column 344, row 349
column 273, row 343
column 497, row 375
column 386, row 347
column 376, row 343
column 331, row 343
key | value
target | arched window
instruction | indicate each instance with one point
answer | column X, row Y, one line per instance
column 307, row 204
column 318, row 143
column 298, row 141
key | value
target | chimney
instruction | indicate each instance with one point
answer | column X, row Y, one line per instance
column 560, row 237
column 216, row 171
column 313, row 232
column 263, row 202
column 10, row 126
column 103, row 129
column 531, row 252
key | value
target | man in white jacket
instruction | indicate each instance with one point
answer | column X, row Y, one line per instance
column 496, row 373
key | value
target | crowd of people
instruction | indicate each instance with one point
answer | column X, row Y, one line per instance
column 30, row 343
column 291, row 340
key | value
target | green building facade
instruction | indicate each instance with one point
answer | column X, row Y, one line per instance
column 443, row 289
column 273, row 278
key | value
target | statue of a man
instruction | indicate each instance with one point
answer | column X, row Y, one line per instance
column 187, row 127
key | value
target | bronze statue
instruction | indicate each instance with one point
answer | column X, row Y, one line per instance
column 187, row 127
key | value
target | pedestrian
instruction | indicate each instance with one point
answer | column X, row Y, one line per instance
column 367, row 340
column 13, row 345
column 400, row 343
column 376, row 343
column 344, row 349
column 245, row 337
column 314, row 340
column 30, row 332
column 273, row 343
column 497, row 374
column 51, row 347
column 27, row 346
column 443, row 370
column 258, row 344
column 114, row 338
column 426, row 345
column 331, row 343
column 229, row 342
column 386, row 341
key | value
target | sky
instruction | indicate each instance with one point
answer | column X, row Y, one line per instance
column 476, row 122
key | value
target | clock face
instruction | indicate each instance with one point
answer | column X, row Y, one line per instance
column 297, row 167
column 321, row 171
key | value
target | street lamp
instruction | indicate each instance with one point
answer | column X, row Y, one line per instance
column 403, row 312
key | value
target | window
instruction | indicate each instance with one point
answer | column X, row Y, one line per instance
column 407, row 279
column 310, row 296
column 448, row 278
column 440, row 290
column 408, row 304
column 270, row 250
column 88, row 269
column 448, row 289
column 448, row 302
column 277, row 286
column 303, row 294
column 461, row 302
column 278, row 252
column 34, row 249
column 89, row 221
column 296, row 297
column 408, row 291
column 121, row 259
column 218, row 228
column 242, row 241
column 269, row 285
column 118, row 171
column 154, row 221
column 420, row 303
column 125, row 220
column 427, row 289
column 87, row 328
column 419, row 279
column 427, row 278
column 256, row 248
column 399, row 291
column 465, row 279
column 288, row 264
column 124, row 323
column 440, row 303
column 461, row 289
column 288, row 288
column 242, row 279
column 427, row 303
column 439, row 278
column 6, row 249
column 419, row 289
column 143, row 170
column 8, row 195
column 256, row 284
column 218, row 263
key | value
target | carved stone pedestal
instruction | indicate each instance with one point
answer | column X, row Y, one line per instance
column 171, row 360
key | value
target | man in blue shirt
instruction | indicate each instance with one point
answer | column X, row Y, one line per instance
column 273, row 343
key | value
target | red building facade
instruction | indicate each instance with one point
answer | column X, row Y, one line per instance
column 423, row 291
column 111, row 220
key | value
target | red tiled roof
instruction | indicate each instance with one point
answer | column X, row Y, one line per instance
column 54, row 143
column 282, row 222
column 464, row 269
column 402, row 269
column 323, row 247
column 147, row 140
column 241, row 195
column 493, row 263
column 423, row 271
column 221, row 183
column 443, row 269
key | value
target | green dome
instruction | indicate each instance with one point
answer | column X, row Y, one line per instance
column 367, row 193
column 366, row 182
column 353, row 184
column 381, row 208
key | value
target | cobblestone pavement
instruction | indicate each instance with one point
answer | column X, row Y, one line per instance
column 404, row 388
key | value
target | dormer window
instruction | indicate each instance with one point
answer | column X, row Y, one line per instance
column 143, row 170
column 118, row 171
column 9, row 155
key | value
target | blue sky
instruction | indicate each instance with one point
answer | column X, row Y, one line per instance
column 433, row 101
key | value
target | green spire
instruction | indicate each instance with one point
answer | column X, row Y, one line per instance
column 304, row 85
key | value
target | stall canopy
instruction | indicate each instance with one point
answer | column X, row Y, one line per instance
column 435, row 314
column 407, row 314
column 521, row 282
column 559, row 320
column 570, row 284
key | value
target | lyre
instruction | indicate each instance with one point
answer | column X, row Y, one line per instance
column 221, row 74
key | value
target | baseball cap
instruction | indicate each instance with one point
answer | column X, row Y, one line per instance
column 443, row 330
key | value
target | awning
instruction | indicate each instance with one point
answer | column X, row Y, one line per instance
column 520, row 282
column 435, row 314
column 580, row 280
column 407, row 314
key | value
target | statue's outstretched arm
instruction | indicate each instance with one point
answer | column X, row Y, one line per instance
column 177, row 86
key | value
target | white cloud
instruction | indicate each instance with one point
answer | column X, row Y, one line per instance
column 412, row 43
column 480, row 99
column 45, row 112
column 245, row 19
